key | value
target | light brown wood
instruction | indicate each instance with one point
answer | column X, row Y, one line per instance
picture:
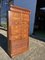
column 18, row 30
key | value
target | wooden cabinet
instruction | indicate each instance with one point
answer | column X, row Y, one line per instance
column 18, row 30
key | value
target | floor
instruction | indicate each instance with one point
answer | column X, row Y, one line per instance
column 36, row 50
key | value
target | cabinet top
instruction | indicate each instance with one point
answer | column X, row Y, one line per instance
column 20, row 8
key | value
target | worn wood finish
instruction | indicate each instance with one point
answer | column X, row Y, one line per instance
column 18, row 30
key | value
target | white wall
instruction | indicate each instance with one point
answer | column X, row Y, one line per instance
column 29, row 4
